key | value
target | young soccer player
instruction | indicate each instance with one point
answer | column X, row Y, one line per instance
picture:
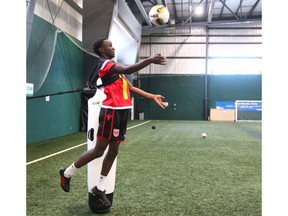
column 113, row 115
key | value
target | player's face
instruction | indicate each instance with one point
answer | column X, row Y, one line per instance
column 108, row 49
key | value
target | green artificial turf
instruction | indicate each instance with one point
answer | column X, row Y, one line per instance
column 170, row 170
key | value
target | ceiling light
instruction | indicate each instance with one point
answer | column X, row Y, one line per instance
column 198, row 10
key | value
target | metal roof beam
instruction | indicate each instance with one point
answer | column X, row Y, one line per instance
column 252, row 9
column 240, row 5
column 75, row 6
column 236, row 17
column 175, row 11
column 143, row 12
column 210, row 11
column 164, row 3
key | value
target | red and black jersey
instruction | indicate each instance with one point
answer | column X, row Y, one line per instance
column 117, row 93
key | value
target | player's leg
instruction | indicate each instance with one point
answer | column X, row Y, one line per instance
column 110, row 157
column 92, row 154
column 118, row 129
column 107, row 164
column 84, row 158
column 99, row 190
column 115, row 130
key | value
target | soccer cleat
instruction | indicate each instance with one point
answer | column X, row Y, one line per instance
column 99, row 201
column 64, row 182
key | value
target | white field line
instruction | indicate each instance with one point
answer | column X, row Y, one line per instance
column 60, row 152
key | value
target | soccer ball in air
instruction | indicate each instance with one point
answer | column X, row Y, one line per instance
column 159, row 15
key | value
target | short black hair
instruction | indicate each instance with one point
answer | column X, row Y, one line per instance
column 98, row 44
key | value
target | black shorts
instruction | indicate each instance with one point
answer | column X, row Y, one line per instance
column 112, row 124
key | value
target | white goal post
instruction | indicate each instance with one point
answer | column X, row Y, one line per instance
column 248, row 110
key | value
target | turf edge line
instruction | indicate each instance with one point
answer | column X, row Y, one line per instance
column 60, row 152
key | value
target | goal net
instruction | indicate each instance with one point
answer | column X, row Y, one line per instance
column 248, row 110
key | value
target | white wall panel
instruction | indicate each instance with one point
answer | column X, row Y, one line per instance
column 234, row 66
column 235, row 50
column 235, row 39
column 125, row 45
column 185, row 50
column 177, row 66
column 175, row 39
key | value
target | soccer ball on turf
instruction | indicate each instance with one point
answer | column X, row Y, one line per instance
column 204, row 135
column 159, row 15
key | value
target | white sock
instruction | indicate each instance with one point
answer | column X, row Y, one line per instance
column 71, row 170
column 101, row 183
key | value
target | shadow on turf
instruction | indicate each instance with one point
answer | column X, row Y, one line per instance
column 80, row 209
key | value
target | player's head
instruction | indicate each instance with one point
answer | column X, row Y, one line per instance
column 103, row 47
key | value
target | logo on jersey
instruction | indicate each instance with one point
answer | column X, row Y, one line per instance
column 116, row 132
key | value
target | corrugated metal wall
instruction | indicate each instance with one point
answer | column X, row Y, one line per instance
column 193, row 50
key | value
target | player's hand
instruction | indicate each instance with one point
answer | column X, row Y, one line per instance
column 158, row 59
column 158, row 100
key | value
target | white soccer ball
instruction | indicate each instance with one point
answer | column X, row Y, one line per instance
column 159, row 15
column 204, row 135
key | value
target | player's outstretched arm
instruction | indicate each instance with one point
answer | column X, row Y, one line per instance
column 156, row 97
column 121, row 69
